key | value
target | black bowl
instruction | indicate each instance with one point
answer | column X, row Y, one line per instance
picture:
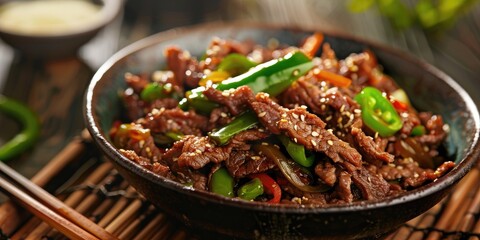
column 429, row 88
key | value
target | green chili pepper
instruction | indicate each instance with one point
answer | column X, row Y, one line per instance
column 30, row 128
column 378, row 113
column 174, row 136
column 196, row 100
column 251, row 190
column 418, row 130
column 271, row 77
column 235, row 64
column 241, row 123
column 154, row 91
column 297, row 151
column 222, row 183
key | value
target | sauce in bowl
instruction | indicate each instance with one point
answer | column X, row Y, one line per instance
column 48, row 17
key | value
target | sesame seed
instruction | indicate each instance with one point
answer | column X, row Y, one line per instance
column 330, row 142
column 328, row 118
column 283, row 120
column 322, row 100
column 315, row 134
column 295, row 140
column 313, row 143
column 284, row 115
column 330, row 130
column 225, row 94
column 303, row 106
column 141, row 143
column 265, row 143
column 295, row 115
column 262, row 114
column 342, row 108
column 415, row 175
column 222, row 114
column 376, row 134
column 198, row 151
column 296, row 72
column 357, row 111
column 295, row 127
column 302, row 117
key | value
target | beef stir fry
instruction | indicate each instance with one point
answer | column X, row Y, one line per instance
column 278, row 124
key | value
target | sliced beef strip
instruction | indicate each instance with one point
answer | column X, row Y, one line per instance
column 371, row 185
column 241, row 140
column 236, row 100
column 166, row 103
column 134, row 106
column 155, row 167
column 243, row 163
column 175, row 120
column 326, row 171
column 306, row 129
column 343, row 189
column 186, row 69
column 369, row 148
column 199, row 151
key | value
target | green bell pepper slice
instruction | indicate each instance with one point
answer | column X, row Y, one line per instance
column 235, row 64
column 154, row 91
column 297, row 152
column 251, row 190
column 241, row 123
column 378, row 113
column 222, row 183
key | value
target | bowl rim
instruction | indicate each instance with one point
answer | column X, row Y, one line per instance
column 109, row 10
column 453, row 176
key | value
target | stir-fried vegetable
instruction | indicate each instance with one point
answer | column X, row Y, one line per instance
column 333, row 78
column 286, row 167
column 270, row 187
column 378, row 113
column 297, row 152
column 235, row 64
column 241, row 123
column 418, row 130
column 251, row 190
column 272, row 77
column 30, row 128
column 155, row 90
column 133, row 131
column 222, row 183
column 312, row 44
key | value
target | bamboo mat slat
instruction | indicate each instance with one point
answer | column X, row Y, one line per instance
column 97, row 191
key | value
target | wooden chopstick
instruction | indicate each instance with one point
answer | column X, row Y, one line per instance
column 50, row 209
column 44, row 213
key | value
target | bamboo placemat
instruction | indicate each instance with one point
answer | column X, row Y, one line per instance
column 81, row 179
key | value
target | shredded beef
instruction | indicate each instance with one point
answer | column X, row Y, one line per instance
column 134, row 107
column 243, row 163
column 372, row 186
column 236, row 100
column 371, row 151
column 326, row 171
column 166, row 103
column 155, row 167
column 185, row 68
column 199, row 151
column 306, row 129
column 343, row 189
column 136, row 82
column 175, row 120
